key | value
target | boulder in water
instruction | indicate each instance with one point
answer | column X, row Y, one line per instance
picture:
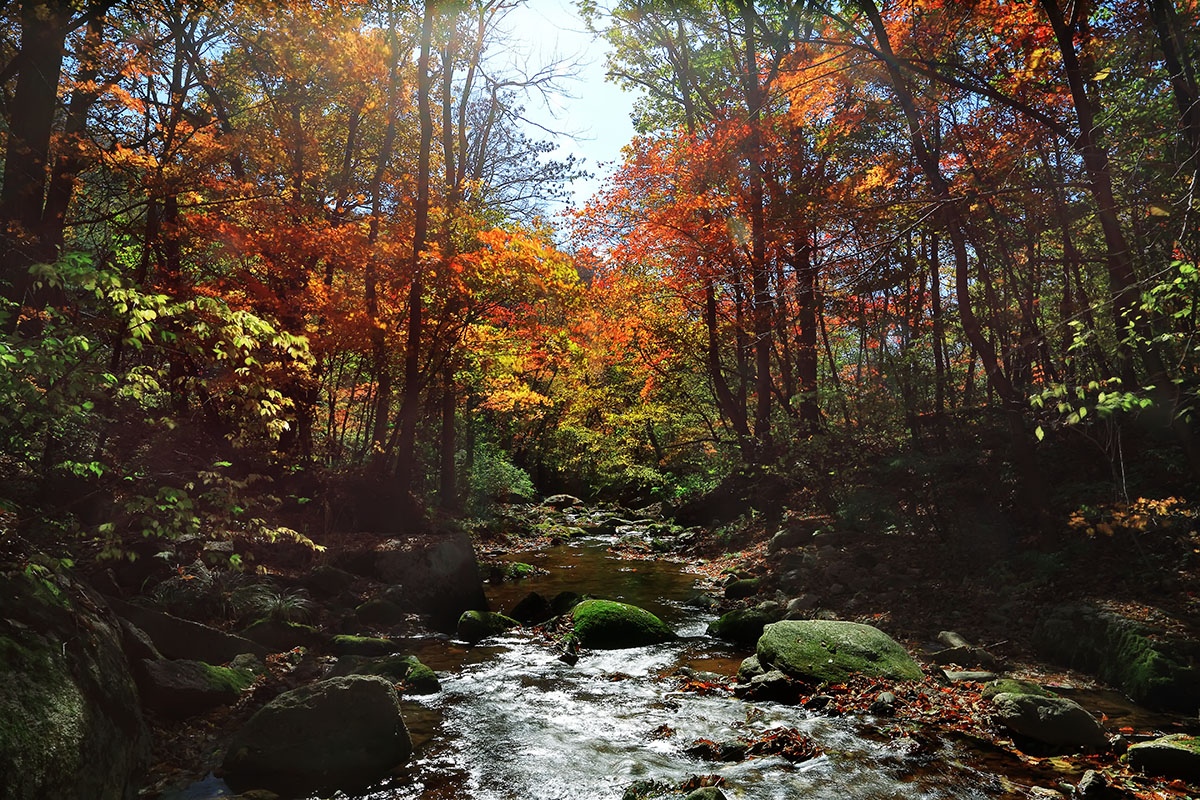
column 829, row 651
column 609, row 625
column 340, row 733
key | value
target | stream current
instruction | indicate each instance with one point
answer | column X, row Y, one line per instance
column 512, row 722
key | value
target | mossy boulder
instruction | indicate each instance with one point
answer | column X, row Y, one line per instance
column 71, row 726
column 346, row 645
column 341, row 733
column 474, row 626
column 1151, row 666
column 184, row 688
column 278, row 635
column 745, row 626
column 609, row 625
column 1051, row 720
column 829, row 651
column 1174, row 756
column 519, row 570
column 1014, row 686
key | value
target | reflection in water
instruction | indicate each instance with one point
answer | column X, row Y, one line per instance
column 514, row 722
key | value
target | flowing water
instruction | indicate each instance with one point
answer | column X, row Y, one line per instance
column 512, row 722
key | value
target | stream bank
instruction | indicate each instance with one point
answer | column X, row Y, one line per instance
column 509, row 718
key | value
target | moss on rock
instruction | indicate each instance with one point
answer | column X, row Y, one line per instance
column 1150, row 666
column 70, row 718
column 1014, row 686
column 829, row 651
column 1174, row 756
column 609, row 625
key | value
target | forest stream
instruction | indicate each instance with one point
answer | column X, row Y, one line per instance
column 514, row 721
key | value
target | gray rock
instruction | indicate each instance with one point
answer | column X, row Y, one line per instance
column 965, row 656
column 706, row 793
column 561, row 501
column 979, row 676
column 341, row 733
column 749, row 669
column 788, row 538
column 1051, row 720
column 1093, row 786
column 884, row 704
column 1174, row 756
column 798, row 606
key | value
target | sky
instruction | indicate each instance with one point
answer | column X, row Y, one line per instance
column 592, row 117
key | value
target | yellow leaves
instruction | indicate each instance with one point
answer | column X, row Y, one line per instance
column 1139, row 516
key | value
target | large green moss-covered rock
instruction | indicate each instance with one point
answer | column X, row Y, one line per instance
column 745, row 625
column 340, row 733
column 609, row 625
column 1175, row 756
column 1151, row 666
column 179, row 689
column 70, row 720
column 828, row 651
column 474, row 626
